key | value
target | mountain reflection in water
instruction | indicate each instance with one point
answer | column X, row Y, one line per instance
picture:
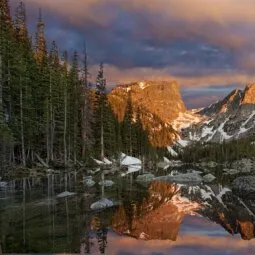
column 162, row 218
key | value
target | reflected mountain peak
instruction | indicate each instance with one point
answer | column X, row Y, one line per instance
column 161, row 213
column 159, row 216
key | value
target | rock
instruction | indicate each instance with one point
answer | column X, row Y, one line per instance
column 102, row 204
column 128, row 160
column 93, row 171
column 230, row 171
column 145, row 177
column 194, row 171
column 89, row 183
column 107, row 183
column 65, row 194
column 163, row 165
column 209, row 178
column 50, row 171
column 88, row 195
column 211, row 164
column 174, row 172
column 3, row 184
column 244, row 165
column 176, row 163
column 244, row 186
column 188, row 178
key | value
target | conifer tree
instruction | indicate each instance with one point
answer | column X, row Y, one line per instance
column 87, row 113
column 101, row 101
column 74, row 90
column 127, row 126
column 40, row 48
column 64, row 81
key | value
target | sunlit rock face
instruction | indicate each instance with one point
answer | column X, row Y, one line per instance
column 160, row 214
column 249, row 95
column 162, row 99
column 158, row 103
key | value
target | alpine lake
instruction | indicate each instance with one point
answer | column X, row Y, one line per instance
column 174, row 211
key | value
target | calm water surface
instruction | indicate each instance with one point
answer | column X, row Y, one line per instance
column 159, row 218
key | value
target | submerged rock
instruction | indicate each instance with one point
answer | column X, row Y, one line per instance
column 244, row 186
column 3, row 184
column 209, row 178
column 192, row 178
column 145, row 177
column 65, row 194
column 107, row 183
column 89, row 183
column 230, row 171
column 102, row 204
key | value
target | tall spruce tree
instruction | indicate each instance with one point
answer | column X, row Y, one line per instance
column 101, row 101
column 87, row 111
column 127, row 129
column 74, row 90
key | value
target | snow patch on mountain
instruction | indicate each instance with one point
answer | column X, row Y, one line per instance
column 185, row 120
column 243, row 129
column 172, row 151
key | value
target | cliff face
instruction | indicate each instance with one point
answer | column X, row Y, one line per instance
column 249, row 95
column 159, row 104
column 236, row 100
column 230, row 102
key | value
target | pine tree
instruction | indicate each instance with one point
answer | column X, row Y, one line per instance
column 64, row 81
column 41, row 49
column 101, row 101
column 127, row 129
column 74, row 90
column 87, row 112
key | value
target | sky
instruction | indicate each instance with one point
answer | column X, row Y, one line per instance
column 207, row 46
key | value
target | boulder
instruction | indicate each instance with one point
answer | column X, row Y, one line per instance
column 188, row 178
column 244, row 186
column 89, row 182
column 209, row 178
column 148, row 177
column 65, row 194
column 230, row 171
column 107, row 183
column 102, row 204
column 3, row 184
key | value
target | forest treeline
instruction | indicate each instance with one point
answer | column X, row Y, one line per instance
column 49, row 108
column 219, row 152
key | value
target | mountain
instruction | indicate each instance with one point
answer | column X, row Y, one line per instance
column 228, row 119
column 165, row 117
column 159, row 104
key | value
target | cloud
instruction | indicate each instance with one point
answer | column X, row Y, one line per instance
column 122, row 76
column 220, row 24
column 197, row 43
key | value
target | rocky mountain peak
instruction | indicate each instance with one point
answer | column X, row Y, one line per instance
column 249, row 95
column 160, row 103
column 161, row 98
column 229, row 103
